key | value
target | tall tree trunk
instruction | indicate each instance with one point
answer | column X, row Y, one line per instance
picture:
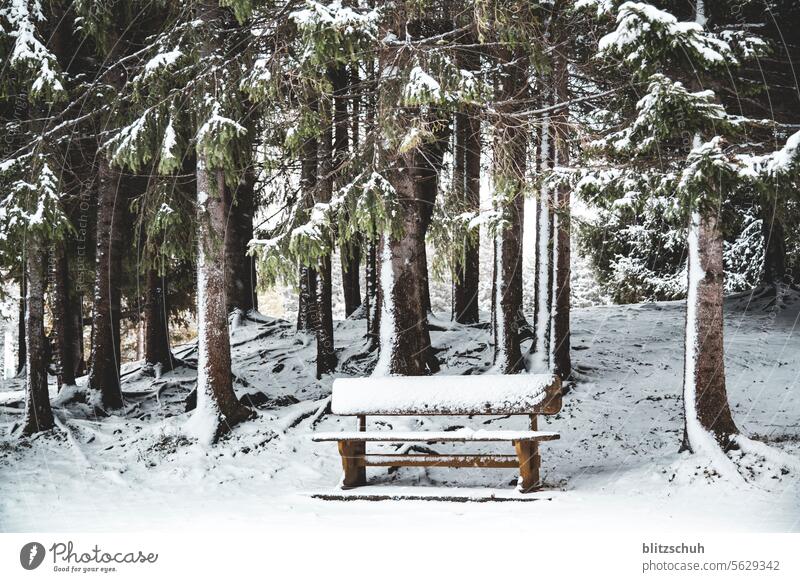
column 217, row 406
column 240, row 268
column 351, row 276
column 104, row 381
column 63, row 325
column 329, row 151
column 350, row 251
column 510, row 149
column 307, row 300
column 38, row 414
column 217, row 409
column 405, row 341
column 372, row 297
column 22, row 347
column 560, row 361
column 543, row 287
column 157, row 355
column 704, row 393
column 79, row 363
column 467, row 191
column 774, row 246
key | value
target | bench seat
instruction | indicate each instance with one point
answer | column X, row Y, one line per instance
column 462, row 435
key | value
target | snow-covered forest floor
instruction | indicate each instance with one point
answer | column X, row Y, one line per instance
column 617, row 465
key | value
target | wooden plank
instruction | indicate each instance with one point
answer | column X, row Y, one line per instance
column 461, row 436
column 422, row 460
column 473, row 398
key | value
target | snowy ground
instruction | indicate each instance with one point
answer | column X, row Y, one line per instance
column 616, row 467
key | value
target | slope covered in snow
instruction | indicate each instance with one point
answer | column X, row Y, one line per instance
column 615, row 467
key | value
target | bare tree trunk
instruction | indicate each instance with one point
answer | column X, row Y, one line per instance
column 345, row 82
column 307, row 300
column 705, row 395
column 543, row 287
column 510, row 153
column 22, row 349
column 217, row 405
column 774, row 246
column 326, row 354
column 240, row 269
column 157, row 354
column 38, row 414
column 77, row 335
column 351, row 276
column 560, row 362
column 104, row 381
column 467, row 191
column 217, row 409
column 405, row 337
column 63, row 326
column 404, row 334
column 372, row 297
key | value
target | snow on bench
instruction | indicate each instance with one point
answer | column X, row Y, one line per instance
column 447, row 395
column 460, row 435
column 521, row 394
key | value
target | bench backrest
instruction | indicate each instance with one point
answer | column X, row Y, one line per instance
column 489, row 394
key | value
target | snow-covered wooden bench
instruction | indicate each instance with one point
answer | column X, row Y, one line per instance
column 522, row 394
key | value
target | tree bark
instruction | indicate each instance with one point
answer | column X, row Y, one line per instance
column 77, row 335
column 240, row 268
column 307, row 302
column 216, row 399
column 404, row 305
column 328, row 157
column 372, row 296
column 104, row 381
column 22, row 349
column 157, row 354
column 467, row 192
column 704, row 391
column 351, row 276
column 774, row 272
column 510, row 153
column 217, row 409
column 347, row 83
column 63, row 325
column 38, row 414
column 543, row 287
column 560, row 362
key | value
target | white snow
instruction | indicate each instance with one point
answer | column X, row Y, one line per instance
column 162, row 60
column 616, row 467
column 474, row 394
column 462, row 434
column 421, row 87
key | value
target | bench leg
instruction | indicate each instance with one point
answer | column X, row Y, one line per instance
column 355, row 473
column 529, row 464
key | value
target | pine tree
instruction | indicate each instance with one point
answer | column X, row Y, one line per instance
column 696, row 160
column 31, row 208
column 218, row 409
